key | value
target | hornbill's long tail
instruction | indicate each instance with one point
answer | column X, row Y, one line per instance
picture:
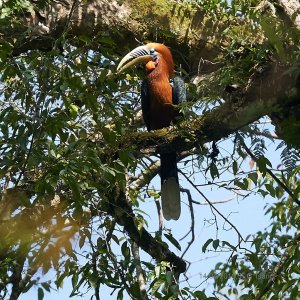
column 170, row 191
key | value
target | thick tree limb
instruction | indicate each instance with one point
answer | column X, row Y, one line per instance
column 186, row 29
column 125, row 217
column 18, row 282
column 190, row 31
column 269, row 92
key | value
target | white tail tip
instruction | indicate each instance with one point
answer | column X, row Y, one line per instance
column 170, row 199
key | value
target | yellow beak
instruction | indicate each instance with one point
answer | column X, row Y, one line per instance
column 138, row 55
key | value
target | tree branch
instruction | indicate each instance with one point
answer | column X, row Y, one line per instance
column 185, row 28
column 139, row 271
column 192, row 229
column 124, row 216
column 19, row 283
column 271, row 90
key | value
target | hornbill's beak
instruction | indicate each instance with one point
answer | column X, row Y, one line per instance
column 137, row 55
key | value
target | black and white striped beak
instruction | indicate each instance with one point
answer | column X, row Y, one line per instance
column 137, row 55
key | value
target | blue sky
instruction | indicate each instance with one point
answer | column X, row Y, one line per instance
column 247, row 215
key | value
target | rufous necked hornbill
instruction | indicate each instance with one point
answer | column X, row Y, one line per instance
column 159, row 100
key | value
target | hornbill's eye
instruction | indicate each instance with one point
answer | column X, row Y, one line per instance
column 152, row 51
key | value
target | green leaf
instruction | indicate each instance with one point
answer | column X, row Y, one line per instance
column 40, row 294
column 68, row 247
column 174, row 290
column 120, row 294
column 225, row 243
column 199, row 295
column 173, row 240
column 233, row 259
column 157, row 271
column 262, row 163
column 125, row 251
column 214, row 172
column 81, row 240
column 139, row 223
column 60, row 280
column 84, row 38
column 253, row 259
column 154, row 194
column 244, row 184
column 253, row 177
column 46, row 286
column 273, row 36
column 115, row 239
column 169, row 277
column 157, row 284
column 234, row 167
column 5, row 11
column 75, row 187
column 135, row 291
column 73, row 110
column 124, row 157
column 270, row 189
column 74, row 280
column 29, row 286
column 206, row 245
column 216, row 244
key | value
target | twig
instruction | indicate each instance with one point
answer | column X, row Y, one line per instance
column 268, row 135
column 223, row 295
column 192, row 229
column 145, row 177
column 70, row 16
column 213, row 207
column 160, row 216
column 214, row 202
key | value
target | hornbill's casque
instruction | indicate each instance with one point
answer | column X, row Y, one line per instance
column 159, row 100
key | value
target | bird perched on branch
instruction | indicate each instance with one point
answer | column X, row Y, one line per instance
column 159, row 100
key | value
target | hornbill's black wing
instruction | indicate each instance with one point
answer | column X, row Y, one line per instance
column 145, row 103
column 178, row 91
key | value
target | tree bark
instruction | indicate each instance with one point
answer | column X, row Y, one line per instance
column 291, row 9
column 186, row 29
column 193, row 36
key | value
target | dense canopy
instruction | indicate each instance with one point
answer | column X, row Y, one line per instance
column 78, row 169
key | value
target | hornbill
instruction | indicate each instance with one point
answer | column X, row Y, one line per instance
column 159, row 100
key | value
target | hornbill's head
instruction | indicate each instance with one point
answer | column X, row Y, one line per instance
column 152, row 54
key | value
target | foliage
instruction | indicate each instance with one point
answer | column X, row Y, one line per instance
column 64, row 174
